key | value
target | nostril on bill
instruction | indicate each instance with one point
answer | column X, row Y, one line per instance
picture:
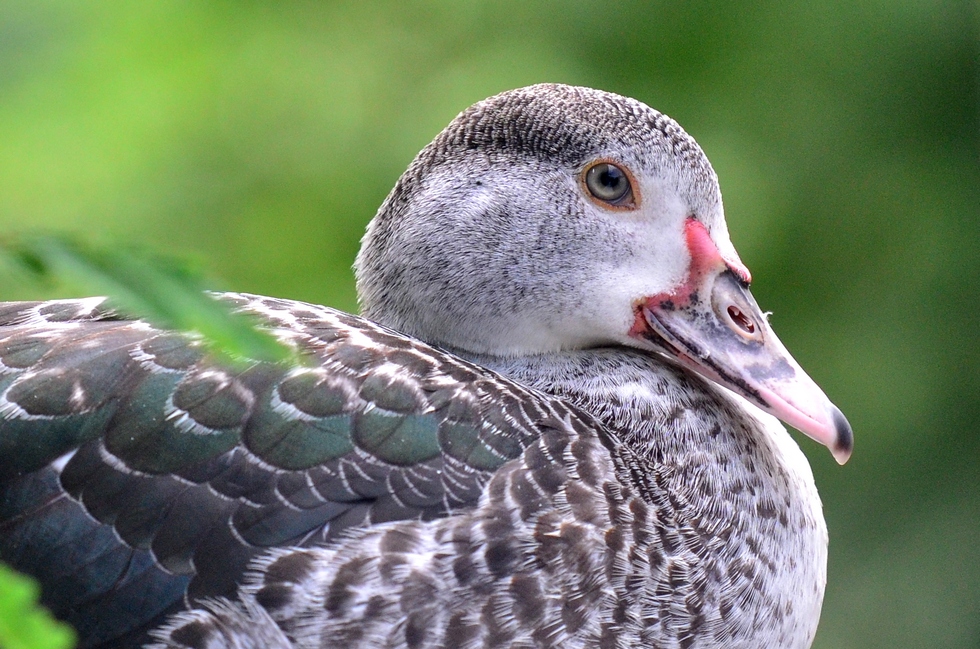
column 741, row 320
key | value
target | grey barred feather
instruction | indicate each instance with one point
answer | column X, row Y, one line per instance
column 220, row 624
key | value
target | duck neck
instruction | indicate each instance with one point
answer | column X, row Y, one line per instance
column 725, row 476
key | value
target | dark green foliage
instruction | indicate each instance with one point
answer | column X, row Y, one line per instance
column 23, row 625
column 160, row 289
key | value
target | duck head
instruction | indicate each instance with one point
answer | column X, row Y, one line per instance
column 553, row 217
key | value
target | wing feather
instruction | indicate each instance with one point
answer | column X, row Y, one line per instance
column 135, row 469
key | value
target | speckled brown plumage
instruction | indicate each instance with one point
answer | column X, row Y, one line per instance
column 583, row 541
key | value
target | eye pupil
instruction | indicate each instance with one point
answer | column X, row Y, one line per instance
column 608, row 183
column 611, row 178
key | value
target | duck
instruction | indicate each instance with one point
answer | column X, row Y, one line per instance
column 556, row 423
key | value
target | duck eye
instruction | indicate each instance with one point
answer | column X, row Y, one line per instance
column 609, row 183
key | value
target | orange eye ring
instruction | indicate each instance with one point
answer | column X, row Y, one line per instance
column 610, row 185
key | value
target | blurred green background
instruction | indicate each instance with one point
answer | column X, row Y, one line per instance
column 261, row 136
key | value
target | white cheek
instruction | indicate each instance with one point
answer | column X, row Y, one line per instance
column 661, row 259
column 658, row 262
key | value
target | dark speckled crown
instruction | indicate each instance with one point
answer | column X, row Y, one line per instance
column 564, row 123
column 555, row 123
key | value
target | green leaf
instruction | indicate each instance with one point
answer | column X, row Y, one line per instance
column 164, row 291
column 24, row 624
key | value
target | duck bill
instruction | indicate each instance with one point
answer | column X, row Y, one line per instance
column 718, row 330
